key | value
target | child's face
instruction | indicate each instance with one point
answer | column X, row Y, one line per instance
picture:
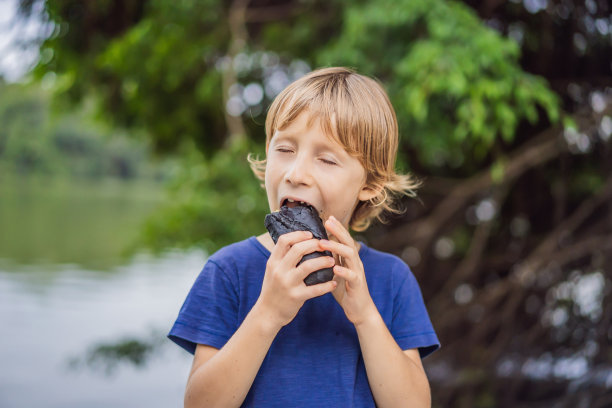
column 305, row 164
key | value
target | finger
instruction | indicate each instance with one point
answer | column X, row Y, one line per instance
column 312, row 265
column 348, row 253
column 337, row 229
column 286, row 242
column 319, row 289
column 297, row 251
column 338, row 233
column 347, row 274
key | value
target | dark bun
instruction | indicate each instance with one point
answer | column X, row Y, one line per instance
column 301, row 218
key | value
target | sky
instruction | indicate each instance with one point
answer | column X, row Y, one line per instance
column 16, row 59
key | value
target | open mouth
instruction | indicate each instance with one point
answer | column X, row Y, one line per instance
column 292, row 203
column 289, row 202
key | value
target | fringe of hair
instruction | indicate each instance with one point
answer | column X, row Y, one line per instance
column 258, row 167
column 357, row 112
column 386, row 202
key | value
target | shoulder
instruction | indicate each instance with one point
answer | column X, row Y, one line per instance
column 388, row 274
column 236, row 261
column 246, row 249
column 383, row 262
column 379, row 256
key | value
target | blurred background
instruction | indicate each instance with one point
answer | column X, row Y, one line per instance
column 124, row 130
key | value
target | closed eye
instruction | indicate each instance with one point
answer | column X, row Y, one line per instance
column 283, row 150
column 327, row 161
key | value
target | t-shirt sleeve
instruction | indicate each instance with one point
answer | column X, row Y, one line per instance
column 209, row 313
column 411, row 326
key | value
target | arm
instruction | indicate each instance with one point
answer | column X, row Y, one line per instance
column 222, row 378
column 396, row 377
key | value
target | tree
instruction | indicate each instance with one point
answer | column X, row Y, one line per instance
column 34, row 142
column 506, row 117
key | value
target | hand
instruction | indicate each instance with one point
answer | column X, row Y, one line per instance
column 283, row 290
column 352, row 292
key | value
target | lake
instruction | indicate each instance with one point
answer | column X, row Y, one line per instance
column 83, row 311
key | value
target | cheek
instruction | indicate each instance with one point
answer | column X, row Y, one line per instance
column 271, row 179
column 272, row 172
column 355, row 177
column 268, row 184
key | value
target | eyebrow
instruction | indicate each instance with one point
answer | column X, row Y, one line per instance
column 285, row 132
column 276, row 137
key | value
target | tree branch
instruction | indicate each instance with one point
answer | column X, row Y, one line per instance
column 239, row 37
column 477, row 246
column 270, row 13
column 541, row 254
column 544, row 147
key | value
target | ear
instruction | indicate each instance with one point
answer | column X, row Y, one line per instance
column 367, row 192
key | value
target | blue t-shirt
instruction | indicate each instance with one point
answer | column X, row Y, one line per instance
column 315, row 360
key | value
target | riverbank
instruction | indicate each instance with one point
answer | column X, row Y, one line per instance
column 95, row 224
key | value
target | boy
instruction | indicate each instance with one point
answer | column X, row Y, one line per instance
column 259, row 335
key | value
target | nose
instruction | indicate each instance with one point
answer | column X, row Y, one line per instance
column 299, row 172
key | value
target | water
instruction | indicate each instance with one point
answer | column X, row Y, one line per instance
column 57, row 307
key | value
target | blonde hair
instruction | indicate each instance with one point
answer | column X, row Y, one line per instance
column 356, row 111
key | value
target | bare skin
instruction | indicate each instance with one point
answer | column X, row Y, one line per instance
column 396, row 376
column 223, row 377
column 305, row 164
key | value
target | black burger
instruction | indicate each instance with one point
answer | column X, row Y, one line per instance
column 301, row 218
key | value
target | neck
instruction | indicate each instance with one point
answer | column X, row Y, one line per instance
column 266, row 240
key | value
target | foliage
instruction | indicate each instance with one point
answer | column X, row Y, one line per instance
column 108, row 357
column 23, row 114
column 456, row 84
column 211, row 202
column 34, row 141
column 512, row 228
column 157, row 66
